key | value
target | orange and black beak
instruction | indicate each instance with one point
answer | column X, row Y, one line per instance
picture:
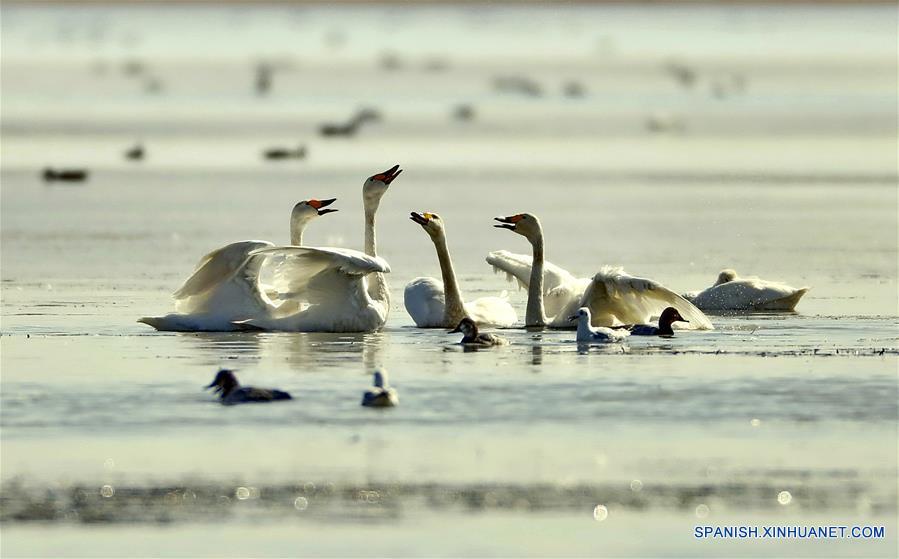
column 389, row 175
column 319, row 204
column 508, row 222
column 421, row 219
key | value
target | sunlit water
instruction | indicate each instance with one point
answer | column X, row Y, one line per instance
column 791, row 176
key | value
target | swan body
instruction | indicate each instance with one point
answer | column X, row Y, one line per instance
column 471, row 335
column 380, row 395
column 587, row 334
column 613, row 296
column 733, row 293
column 225, row 286
column 438, row 304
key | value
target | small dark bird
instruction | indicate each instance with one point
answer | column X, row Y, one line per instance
column 276, row 154
column 68, row 175
column 352, row 126
column 380, row 395
column 669, row 316
column 470, row 334
column 135, row 153
column 264, row 74
column 231, row 392
column 463, row 112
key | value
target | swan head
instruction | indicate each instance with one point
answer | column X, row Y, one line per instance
column 304, row 212
column 669, row 316
column 376, row 185
column 224, row 382
column 582, row 313
column 726, row 275
column 526, row 225
column 430, row 222
column 467, row 327
column 380, row 380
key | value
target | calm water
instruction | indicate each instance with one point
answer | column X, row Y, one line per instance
column 778, row 160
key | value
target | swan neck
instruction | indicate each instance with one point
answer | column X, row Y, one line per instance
column 371, row 242
column 296, row 236
column 534, row 314
column 454, row 308
column 377, row 284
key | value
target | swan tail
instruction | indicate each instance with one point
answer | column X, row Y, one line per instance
column 787, row 303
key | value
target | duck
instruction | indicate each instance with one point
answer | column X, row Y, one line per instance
column 275, row 154
column 352, row 126
column 554, row 295
column 587, row 334
column 230, row 391
column 135, row 152
column 438, row 304
column 66, row 175
column 471, row 336
column 667, row 318
column 733, row 293
column 380, row 395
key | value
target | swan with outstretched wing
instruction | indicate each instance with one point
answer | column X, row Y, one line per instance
column 331, row 289
column 438, row 304
column 612, row 296
column 225, row 285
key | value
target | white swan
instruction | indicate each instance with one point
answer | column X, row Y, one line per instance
column 225, row 285
column 612, row 296
column 435, row 304
column 340, row 290
column 587, row 334
column 733, row 293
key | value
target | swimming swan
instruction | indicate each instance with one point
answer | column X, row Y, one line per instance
column 587, row 334
column 435, row 304
column 612, row 296
column 225, row 285
column 341, row 290
column 733, row 293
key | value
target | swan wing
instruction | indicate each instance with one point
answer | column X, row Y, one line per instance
column 519, row 267
column 297, row 271
column 614, row 297
column 425, row 301
column 491, row 311
column 749, row 294
column 218, row 266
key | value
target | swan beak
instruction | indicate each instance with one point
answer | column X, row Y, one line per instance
column 506, row 222
column 419, row 218
column 389, row 175
column 319, row 204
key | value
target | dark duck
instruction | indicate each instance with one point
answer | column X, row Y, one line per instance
column 230, row 391
column 471, row 336
column 669, row 316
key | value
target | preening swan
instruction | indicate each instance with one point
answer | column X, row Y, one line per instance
column 612, row 296
column 435, row 304
column 225, row 285
column 733, row 293
column 338, row 289
column 471, row 335
column 587, row 334
column 380, row 395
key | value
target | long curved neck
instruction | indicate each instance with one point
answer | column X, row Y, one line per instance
column 377, row 285
column 454, row 308
column 534, row 314
column 296, row 235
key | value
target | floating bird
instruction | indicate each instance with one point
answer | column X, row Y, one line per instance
column 275, row 154
column 225, row 286
column 668, row 317
column 469, row 330
column 438, row 304
column 597, row 335
column 230, row 391
column 340, row 290
column 612, row 296
column 65, row 175
column 463, row 112
column 380, row 395
column 135, row 153
column 352, row 126
column 733, row 293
